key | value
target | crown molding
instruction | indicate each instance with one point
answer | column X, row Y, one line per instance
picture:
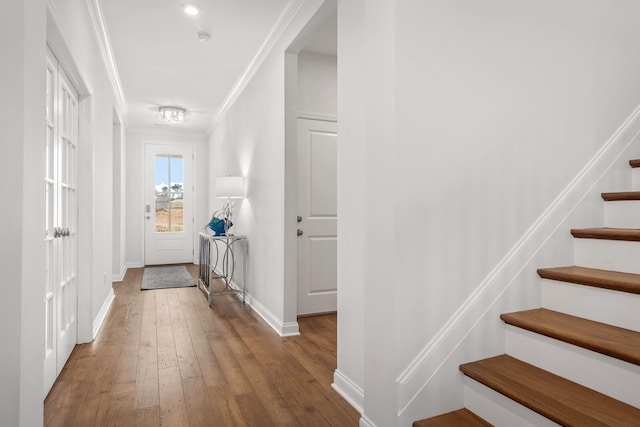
column 62, row 47
column 285, row 18
column 162, row 130
column 102, row 36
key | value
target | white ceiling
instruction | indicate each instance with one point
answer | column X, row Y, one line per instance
column 324, row 39
column 161, row 61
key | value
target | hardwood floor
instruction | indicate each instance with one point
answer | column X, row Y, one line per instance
column 164, row 358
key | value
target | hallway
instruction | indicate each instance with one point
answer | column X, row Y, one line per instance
column 164, row 358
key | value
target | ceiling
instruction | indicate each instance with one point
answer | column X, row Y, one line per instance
column 324, row 38
column 160, row 60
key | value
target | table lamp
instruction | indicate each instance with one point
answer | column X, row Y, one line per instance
column 229, row 187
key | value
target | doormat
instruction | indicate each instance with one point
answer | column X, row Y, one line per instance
column 166, row 277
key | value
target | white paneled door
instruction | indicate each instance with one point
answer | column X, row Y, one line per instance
column 61, row 247
column 168, row 209
column 317, row 216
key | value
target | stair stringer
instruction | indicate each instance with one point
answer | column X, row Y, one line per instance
column 432, row 384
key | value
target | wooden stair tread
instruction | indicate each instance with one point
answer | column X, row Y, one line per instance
column 460, row 418
column 635, row 163
column 623, row 344
column 629, row 234
column 607, row 279
column 554, row 397
column 621, row 195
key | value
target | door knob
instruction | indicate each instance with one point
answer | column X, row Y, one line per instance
column 300, row 232
column 299, row 218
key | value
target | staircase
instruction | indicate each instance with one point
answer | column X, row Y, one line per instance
column 576, row 360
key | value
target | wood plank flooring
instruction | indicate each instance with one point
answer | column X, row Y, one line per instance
column 164, row 358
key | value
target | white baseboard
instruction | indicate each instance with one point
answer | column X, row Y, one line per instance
column 349, row 390
column 284, row 329
column 366, row 422
column 134, row 264
column 415, row 378
column 120, row 277
column 102, row 314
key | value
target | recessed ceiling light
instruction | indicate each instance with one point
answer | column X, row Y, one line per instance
column 191, row 9
column 203, row 36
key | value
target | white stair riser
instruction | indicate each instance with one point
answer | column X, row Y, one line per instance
column 615, row 255
column 635, row 176
column 602, row 305
column 623, row 214
column 613, row 377
column 498, row 409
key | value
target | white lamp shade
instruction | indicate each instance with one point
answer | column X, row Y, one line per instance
column 230, row 187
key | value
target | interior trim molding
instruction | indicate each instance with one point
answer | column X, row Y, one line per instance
column 60, row 43
column 284, row 329
column 102, row 36
column 349, row 390
column 417, row 375
column 285, row 18
column 164, row 130
column 308, row 115
column 119, row 277
column 366, row 422
column 102, row 314
column 134, row 264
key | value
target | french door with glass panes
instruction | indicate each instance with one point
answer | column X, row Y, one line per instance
column 61, row 238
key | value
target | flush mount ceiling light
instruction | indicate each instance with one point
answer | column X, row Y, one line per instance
column 173, row 115
column 191, row 9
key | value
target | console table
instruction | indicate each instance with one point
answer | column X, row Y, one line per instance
column 218, row 261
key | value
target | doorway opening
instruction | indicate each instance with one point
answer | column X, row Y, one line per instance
column 168, row 209
column 310, row 168
column 61, row 224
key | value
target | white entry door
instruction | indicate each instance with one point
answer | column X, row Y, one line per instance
column 61, row 247
column 168, row 206
column 317, row 211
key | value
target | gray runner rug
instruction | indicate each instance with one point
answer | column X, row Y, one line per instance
column 166, row 277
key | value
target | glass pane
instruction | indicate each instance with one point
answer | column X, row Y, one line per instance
column 49, row 208
column 169, row 183
column 49, row 110
column 176, row 179
column 49, row 152
column 162, row 193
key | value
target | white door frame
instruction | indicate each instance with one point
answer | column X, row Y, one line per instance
column 290, row 296
column 62, row 48
column 319, row 231
column 193, row 172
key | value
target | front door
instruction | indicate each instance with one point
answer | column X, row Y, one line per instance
column 318, row 219
column 168, row 206
column 61, row 238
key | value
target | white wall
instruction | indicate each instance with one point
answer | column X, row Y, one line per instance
column 485, row 113
column 22, row 38
column 119, row 203
column 136, row 138
column 317, row 85
column 351, row 199
column 249, row 139
column 25, row 29
column 95, row 164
